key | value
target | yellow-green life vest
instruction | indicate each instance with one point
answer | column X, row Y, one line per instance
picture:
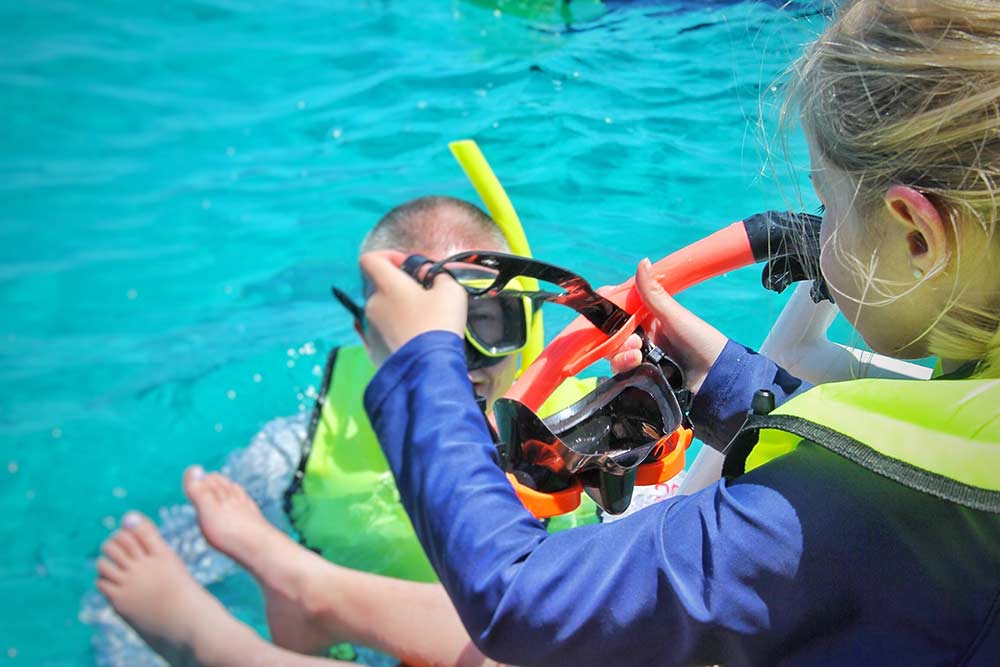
column 941, row 437
column 343, row 500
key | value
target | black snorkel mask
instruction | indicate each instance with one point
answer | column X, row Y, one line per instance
column 601, row 441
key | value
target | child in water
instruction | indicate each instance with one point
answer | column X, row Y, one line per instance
column 872, row 539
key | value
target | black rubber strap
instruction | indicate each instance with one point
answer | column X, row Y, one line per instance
column 853, row 450
column 317, row 413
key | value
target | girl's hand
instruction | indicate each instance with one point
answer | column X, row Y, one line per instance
column 400, row 309
column 690, row 341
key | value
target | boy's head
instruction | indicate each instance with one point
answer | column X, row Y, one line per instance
column 437, row 227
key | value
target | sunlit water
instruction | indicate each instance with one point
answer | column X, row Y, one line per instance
column 180, row 185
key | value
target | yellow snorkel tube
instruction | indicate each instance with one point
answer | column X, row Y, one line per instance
column 497, row 203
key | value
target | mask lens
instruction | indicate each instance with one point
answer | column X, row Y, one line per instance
column 498, row 323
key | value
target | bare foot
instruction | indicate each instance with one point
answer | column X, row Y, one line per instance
column 149, row 587
column 233, row 524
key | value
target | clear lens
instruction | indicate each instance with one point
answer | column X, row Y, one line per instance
column 498, row 323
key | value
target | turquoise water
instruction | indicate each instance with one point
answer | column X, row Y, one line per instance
column 181, row 184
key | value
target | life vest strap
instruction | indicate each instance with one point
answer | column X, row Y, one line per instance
column 859, row 453
column 317, row 414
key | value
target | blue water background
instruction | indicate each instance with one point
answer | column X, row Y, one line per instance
column 181, row 183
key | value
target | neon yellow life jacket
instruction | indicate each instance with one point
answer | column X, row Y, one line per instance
column 343, row 500
column 941, row 437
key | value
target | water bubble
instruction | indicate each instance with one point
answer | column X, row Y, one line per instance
column 301, row 104
column 12, row 467
column 497, row 13
column 308, row 349
column 311, row 391
column 230, row 151
column 257, row 377
column 422, row 104
column 119, row 492
column 336, row 133
column 108, row 522
column 291, row 351
column 576, row 75
column 608, row 120
column 299, row 396
column 132, row 294
column 218, row 428
column 302, row 408
column 290, row 363
column 231, row 394
column 317, row 370
column 496, row 124
column 481, row 92
column 11, row 652
column 56, row 433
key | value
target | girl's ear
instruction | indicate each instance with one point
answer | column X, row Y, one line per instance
column 922, row 227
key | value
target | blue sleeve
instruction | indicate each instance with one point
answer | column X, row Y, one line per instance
column 676, row 583
column 720, row 406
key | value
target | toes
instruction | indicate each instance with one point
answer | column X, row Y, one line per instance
column 108, row 570
column 220, row 487
column 229, row 489
column 127, row 543
column 107, row 588
column 144, row 531
column 194, row 484
column 114, row 552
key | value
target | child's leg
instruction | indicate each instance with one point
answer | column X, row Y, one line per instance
column 149, row 586
column 312, row 603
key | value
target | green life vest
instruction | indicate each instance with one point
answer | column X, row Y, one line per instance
column 941, row 437
column 343, row 500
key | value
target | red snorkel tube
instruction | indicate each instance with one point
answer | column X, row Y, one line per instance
column 581, row 343
column 786, row 238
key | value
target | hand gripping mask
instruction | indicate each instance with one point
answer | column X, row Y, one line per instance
column 600, row 442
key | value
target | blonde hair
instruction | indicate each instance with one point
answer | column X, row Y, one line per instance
column 908, row 92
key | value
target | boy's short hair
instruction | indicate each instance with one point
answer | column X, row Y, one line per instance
column 434, row 222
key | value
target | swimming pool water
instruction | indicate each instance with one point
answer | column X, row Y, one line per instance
column 181, row 183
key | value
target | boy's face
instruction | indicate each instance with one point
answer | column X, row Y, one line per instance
column 492, row 381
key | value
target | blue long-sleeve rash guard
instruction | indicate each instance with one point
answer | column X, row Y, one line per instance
column 809, row 560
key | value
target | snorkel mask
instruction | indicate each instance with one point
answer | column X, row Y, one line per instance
column 497, row 326
column 601, row 442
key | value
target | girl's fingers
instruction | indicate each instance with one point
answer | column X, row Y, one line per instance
column 628, row 356
column 625, row 361
column 400, row 308
column 659, row 302
column 692, row 342
column 384, row 272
